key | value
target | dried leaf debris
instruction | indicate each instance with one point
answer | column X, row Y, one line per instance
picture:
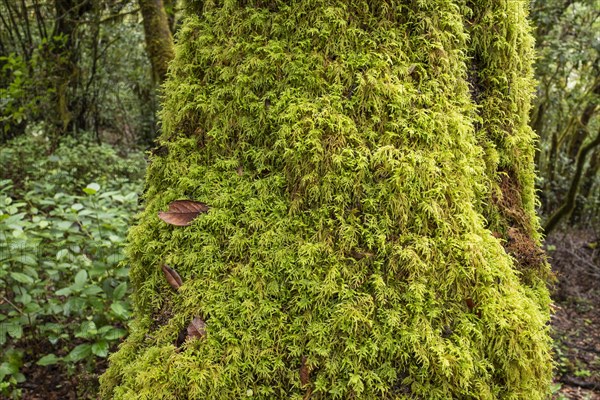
column 196, row 328
column 172, row 277
column 183, row 212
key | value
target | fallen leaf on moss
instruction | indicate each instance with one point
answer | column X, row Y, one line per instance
column 470, row 304
column 172, row 276
column 304, row 372
column 182, row 212
column 196, row 328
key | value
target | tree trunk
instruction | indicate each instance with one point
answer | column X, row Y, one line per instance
column 584, row 210
column 570, row 199
column 589, row 178
column 159, row 41
column 580, row 132
column 370, row 233
column 63, row 61
column 580, row 157
column 170, row 8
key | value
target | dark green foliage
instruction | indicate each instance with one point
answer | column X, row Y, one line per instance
column 19, row 99
column 567, row 108
column 75, row 66
column 72, row 165
column 356, row 157
column 62, row 285
column 125, row 99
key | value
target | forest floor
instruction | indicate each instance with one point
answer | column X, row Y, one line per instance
column 575, row 258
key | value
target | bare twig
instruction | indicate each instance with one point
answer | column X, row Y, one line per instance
column 13, row 305
column 579, row 383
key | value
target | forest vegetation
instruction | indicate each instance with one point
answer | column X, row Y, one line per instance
column 147, row 221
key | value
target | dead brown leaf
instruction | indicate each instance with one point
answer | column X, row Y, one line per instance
column 470, row 303
column 182, row 212
column 196, row 328
column 172, row 276
column 304, row 372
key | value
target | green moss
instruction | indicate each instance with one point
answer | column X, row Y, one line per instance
column 348, row 164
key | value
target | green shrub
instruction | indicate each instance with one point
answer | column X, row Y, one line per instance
column 69, row 167
column 62, row 283
column 18, row 98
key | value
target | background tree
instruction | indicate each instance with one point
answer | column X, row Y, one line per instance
column 159, row 40
column 63, row 70
column 364, row 163
column 566, row 110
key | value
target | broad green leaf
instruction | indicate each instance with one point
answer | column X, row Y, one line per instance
column 23, row 298
column 122, row 272
column 92, row 188
column 19, row 377
column 7, row 369
column 100, row 348
column 15, row 330
column 74, row 305
column 120, row 291
column 92, row 290
column 81, row 278
column 48, row 359
column 63, row 225
column 79, row 353
column 87, row 330
column 31, row 308
column 27, row 259
column 63, row 292
column 20, row 277
column 30, row 271
column 18, row 233
column 61, row 254
column 115, row 333
column 120, row 310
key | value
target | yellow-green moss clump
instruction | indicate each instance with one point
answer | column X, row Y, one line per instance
column 369, row 172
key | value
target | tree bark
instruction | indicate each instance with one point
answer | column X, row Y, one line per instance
column 580, row 133
column 159, row 40
column 569, row 203
column 584, row 212
column 170, row 9
column 367, row 172
column 63, row 61
column 580, row 158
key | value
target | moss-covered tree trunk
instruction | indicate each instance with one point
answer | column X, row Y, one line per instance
column 159, row 41
column 371, row 231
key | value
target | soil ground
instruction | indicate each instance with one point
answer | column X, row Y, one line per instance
column 575, row 258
